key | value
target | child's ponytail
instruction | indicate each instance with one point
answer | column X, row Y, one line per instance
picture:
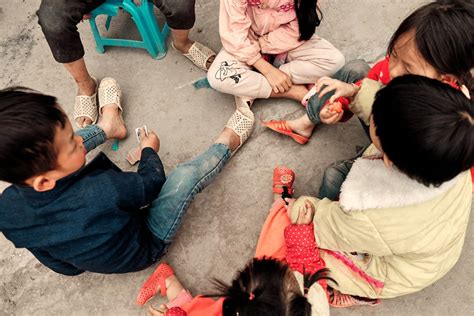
column 309, row 17
column 299, row 305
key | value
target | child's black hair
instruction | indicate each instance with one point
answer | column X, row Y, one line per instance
column 309, row 17
column 28, row 124
column 262, row 288
column 444, row 37
column 426, row 128
column 299, row 304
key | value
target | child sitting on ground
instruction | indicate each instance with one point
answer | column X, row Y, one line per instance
column 75, row 217
column 295, row 284
column 435, row 41
column 404, row 206
column 265, row 286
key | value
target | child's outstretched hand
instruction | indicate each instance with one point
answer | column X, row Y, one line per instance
column 331, row 113
column 305, row 213
column 340, row 88
column 151, row 140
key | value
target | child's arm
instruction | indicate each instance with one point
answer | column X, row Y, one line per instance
column 234, row 27
column 139, row 189
column 338, row 230
column 54, row 264
column 303, row 255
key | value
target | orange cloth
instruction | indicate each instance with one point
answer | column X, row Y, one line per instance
column 271, row 242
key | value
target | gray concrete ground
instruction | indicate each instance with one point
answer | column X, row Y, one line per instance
column 222, row 225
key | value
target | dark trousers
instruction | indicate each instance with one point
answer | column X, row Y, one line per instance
column 59, row 18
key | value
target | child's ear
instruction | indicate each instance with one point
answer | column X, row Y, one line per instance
column 388, row 163
column 43, row 183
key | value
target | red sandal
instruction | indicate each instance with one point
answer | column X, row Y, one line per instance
column 157, row 279
column 283, row 128
column 283, row 177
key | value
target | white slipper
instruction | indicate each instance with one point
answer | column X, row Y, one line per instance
column 86, row 106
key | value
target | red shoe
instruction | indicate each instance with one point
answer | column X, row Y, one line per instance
column 339, row 300
column 283, row 177
column 155, row 281
column 283, row 128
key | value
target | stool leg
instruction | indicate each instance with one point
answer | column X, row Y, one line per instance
column 98, row 39
column 142, row 27
column 159, row 36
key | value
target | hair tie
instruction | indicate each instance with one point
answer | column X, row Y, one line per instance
column 251, row 296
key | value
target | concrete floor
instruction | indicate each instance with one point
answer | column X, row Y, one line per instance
column 221, row 229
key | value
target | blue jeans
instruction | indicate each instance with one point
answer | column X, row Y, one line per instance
column 180, row 188
column 351, row 72
column 335, row 175
column 92, row 136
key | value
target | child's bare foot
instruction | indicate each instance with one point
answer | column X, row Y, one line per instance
column 302, row 126
column 112, row 123
column 173, row 287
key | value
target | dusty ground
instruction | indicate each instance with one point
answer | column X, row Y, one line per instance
column 222, row 225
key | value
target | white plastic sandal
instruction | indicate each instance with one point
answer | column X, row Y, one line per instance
column 198, row 54
column 242, row 123
column 85, row 106
column 109, row 93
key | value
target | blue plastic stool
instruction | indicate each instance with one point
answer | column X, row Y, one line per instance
column 153, row 38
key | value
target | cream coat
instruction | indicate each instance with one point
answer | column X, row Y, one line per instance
column 399, row 231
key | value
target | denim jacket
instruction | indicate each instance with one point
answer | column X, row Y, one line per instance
column 93, row 220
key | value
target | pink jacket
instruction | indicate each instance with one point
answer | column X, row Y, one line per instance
column 250, row 27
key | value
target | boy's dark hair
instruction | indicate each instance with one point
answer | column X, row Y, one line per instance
column 444, row 37
column 261, row 288
column 425, row 127
column 309, row 17
column 28, row 122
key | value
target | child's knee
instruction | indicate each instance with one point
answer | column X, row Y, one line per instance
column 357, row 68
column 337, row 62
column 51, row 17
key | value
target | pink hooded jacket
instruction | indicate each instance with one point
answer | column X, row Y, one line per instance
column 251, row 27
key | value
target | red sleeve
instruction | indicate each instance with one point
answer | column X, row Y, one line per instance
column 302, row 249
column 175, row 311
column 380, row 71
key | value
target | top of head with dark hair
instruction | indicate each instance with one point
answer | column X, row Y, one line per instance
column 425, row 127
column 29, row 120
column 444, row 37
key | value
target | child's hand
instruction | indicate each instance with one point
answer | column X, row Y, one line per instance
column 279, row 80
column 151, row 140
column 305, row 214
column 342, row 89
column 331, row 113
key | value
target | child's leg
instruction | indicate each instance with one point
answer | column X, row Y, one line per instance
column 110, row 126
column 92, row 136
column 351, row 72
column 333, row 178
column 181, row 187
column 228, row 75
column 271, row 242
column 312, row 60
